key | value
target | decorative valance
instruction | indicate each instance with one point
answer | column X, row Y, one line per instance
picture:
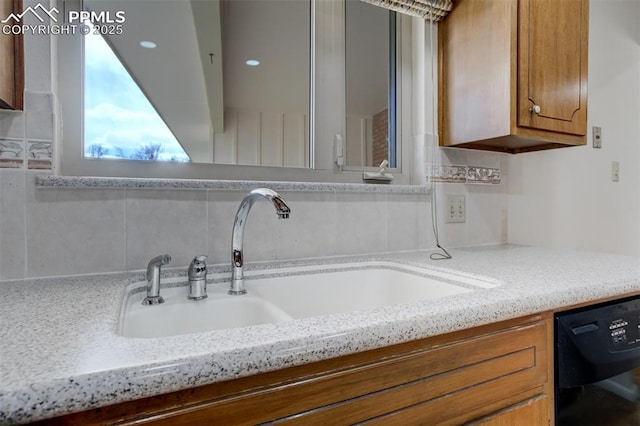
column 435, row 10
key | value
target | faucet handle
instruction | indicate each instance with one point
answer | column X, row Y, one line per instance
column 198, row 278
column 198, row 268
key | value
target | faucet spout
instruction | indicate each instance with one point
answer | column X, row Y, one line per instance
column 237, row 259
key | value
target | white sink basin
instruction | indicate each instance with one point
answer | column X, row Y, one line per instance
column 289, row 293
column 338, row 289
column 178, row 315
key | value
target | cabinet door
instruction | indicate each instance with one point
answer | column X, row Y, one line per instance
column 11, row 61
column 530, row 412
column 552, row 65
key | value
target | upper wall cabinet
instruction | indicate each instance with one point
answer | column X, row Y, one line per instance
column 11, row 61
column 513, row 74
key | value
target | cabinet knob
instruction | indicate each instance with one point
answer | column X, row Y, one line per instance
column 535, row 109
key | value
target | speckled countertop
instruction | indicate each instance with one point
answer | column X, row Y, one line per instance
column 61, row 353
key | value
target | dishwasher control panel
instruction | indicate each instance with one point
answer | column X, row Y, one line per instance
column 625, row 331
column 598, row 341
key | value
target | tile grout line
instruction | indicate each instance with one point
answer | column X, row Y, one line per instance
column 25, row 232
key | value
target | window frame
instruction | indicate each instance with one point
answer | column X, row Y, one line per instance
column 71, row 162
column 393, row 100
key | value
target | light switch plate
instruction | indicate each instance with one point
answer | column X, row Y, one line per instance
column 597, row 136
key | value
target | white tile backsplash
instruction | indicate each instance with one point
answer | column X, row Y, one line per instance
column 27, row 137
column 262, row 234
column 161, row 221
column 12, row 150
column 11, row 125
column 47, row 231
column 12, row 224
column 221, row 208
column 39, row 125
column 361, row 223
column 38, row 101
column 319, row 209
column 403, row 220
column 73, row 231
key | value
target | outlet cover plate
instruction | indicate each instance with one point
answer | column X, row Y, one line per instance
column 455, row 209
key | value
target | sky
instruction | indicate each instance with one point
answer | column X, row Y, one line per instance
column 117, row 115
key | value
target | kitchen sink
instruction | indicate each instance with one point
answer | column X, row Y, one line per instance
column 283, row 294
column 178, row 315
column 353, row 287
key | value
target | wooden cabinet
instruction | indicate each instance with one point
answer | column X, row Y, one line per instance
column 513, row 74
column 11, row 60
column 451, row 379
column 534, row 410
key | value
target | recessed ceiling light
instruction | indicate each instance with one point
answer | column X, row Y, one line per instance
column 253, row 63
column 148, row 44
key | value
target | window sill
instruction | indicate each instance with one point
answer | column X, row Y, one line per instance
column 229, row 185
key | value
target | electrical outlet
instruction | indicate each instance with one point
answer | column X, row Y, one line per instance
column 615, row 171
column 455, row 209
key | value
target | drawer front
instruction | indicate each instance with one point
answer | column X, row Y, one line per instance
column 437, row 382
column 533, row 412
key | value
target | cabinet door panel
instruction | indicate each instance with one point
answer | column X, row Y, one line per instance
column 552, row 61
column 531, row 412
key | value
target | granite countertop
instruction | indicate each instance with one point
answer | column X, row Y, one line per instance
column 61, row 353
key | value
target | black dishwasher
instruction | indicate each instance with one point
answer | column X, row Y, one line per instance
column 597, row 362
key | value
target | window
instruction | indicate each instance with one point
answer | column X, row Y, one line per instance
column 119, row 120
column 370, row 63
column 331, row 57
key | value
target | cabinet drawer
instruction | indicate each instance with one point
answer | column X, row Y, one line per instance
column 466, row 374
column 454, row 379
column 531, row 412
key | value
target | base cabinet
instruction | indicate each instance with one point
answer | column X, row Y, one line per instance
column 499, row 374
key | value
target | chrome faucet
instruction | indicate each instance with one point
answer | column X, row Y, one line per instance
column 153, row 280
column 198, row 278
column 237, row 259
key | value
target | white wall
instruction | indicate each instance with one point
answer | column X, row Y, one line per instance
column 565, row 198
